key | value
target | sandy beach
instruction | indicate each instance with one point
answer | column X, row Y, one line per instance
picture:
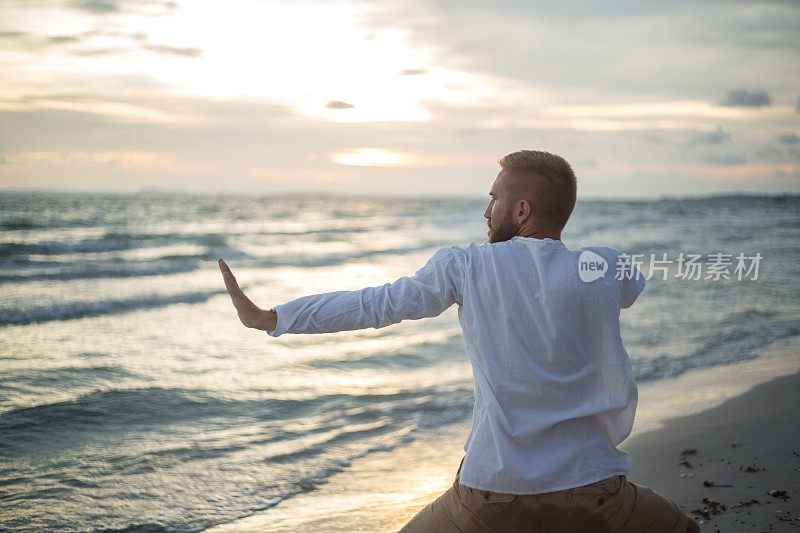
column 749, row 440
column 735, row 467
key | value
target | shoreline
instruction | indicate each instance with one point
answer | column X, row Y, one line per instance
column 381, row 492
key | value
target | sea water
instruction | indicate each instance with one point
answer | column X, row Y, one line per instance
column 132, row 398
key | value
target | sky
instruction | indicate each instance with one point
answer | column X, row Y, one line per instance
column 421, row 98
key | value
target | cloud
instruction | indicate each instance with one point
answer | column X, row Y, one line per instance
column 31, row 42
column 492, row 77
column 116, row 108
column 98, row 52
column 135, row 159
column 129, row 42
column 788, row 138
column 104, row 7
column 63, row 39
column 12, row 34
column 96, row 7
column 730, row 159
column 370, row 157
column 138, row 36
column 43, row 43
column 173, row 50
column 413, row 71
column 745, row 98
column 443, row 164
column 338, row 104
column 797, row 105
column 769, row 152
column 713, row 137
column 613, row 52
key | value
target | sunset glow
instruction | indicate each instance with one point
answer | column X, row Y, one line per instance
column 370, row 157
column 256, row 93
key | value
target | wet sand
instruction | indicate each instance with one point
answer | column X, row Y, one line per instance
column 721, row 465
column 381, row 492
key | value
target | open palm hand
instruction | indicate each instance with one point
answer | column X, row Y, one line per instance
column 249, row 313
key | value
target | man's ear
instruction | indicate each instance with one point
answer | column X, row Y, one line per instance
column 524, row 210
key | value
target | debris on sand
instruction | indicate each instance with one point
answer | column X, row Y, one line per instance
column 745, row 504
column 707, row 483
column 684, row 453
column 775, row 493
column 710, row 507
column 735, row 443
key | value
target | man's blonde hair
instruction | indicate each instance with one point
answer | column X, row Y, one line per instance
column 546, row 181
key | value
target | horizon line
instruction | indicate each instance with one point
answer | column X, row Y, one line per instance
column 429, row 196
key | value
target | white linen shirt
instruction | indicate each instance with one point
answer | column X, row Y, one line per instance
column 554, row 389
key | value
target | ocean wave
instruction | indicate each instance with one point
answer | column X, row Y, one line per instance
column 21, row 269
column 21, row 223
column 728, row 346
column 132, row 238
column 306, row 480
column 342, row 428
column 12, row 249
column 334, row 259
column 75, row 310
column 125, row 406
column 129, row 269
column 748, row 316
column 57, row 376
column 18, row 387
column 153, row 527
column 111, row 242
column 412, row 355
column 741, row 339
column 382, row 361
column 129, row 409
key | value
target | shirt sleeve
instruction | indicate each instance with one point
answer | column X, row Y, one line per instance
column 631, row 286
column 427, row 293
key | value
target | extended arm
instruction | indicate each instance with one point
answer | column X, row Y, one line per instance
column 431, row 290
column 428, row 293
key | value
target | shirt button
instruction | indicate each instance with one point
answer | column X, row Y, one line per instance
column 486, row 496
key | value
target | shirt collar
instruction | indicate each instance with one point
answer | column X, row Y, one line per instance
column 546, row 240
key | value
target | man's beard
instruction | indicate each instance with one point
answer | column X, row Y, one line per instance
column 502, row 229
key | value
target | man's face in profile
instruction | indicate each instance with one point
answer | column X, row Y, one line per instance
column 498, row 212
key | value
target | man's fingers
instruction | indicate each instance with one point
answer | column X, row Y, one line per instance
column 227, row 276
column 226, row 271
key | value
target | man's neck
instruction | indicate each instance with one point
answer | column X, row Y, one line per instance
column 539, row 234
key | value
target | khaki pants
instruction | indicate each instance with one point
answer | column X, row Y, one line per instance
column 610, row 505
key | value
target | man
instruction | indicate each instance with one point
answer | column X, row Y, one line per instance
column 554, row 388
